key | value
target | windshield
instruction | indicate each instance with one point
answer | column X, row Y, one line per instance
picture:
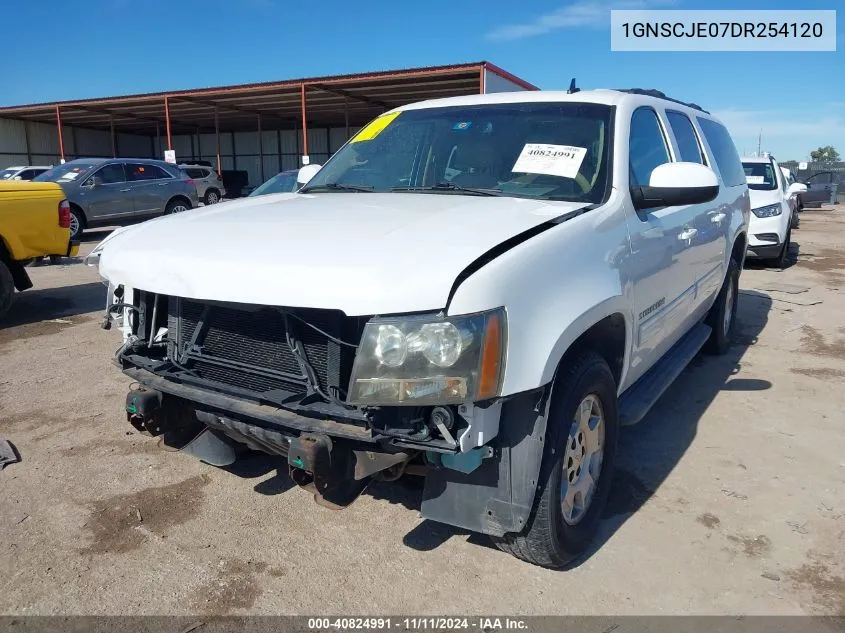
column 280, row 183
column 5, row 174
column 760, row 176
column 553, row 151
column 65, row 173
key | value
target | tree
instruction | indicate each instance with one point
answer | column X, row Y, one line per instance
column 826, row 154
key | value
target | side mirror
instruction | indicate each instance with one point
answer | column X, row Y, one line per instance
column 676, row 184
column 306, row 173
column 796, row 188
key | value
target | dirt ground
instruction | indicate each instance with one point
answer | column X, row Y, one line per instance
column 729, row 499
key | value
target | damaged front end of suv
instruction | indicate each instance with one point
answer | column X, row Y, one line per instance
column 343, row 399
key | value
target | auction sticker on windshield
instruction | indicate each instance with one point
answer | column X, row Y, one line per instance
column 553, row 160
column 375, row 127
column 755, row 180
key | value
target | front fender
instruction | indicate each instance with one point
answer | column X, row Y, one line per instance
column 554, row 286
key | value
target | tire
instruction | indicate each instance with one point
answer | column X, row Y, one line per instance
column 7, row 289
column 782, row 260
column 549, row 540
column 722, row 316
column 176, row 206
column 77, row 224
column 212, row 196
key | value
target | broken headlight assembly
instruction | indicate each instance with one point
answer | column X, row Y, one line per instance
column 430, row 359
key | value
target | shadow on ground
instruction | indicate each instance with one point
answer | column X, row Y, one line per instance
column 762, row 264
column 44, row 304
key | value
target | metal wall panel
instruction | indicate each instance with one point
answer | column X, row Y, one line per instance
column 337, row 137
column 495, row 83
column 318, row 141
column 270, row 142
column 271, row 167
column 12, row 136
column 209, row 145
column 45, row 159
column 289, row 161
column 252, row 166
column 246, row 143
column 289, row 142
column 9, row 160
column 133, row 146
column 89, row 142
column 181, row 144
column 44, row 139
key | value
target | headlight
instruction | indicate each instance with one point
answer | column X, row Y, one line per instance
column 769, row 211
column 430, row 359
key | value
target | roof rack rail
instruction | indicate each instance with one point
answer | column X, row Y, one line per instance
column 650, row 92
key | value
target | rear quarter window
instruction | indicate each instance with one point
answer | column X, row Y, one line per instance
column 196, row 173
column 724, row 152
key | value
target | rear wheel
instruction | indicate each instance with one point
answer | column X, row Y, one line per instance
column 212, row 196
column 722, row 315
column 578, row 460
column 7, row 289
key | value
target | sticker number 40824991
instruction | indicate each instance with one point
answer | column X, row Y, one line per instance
column 553, row 160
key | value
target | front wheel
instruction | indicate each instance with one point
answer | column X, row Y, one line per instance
column 176, row 206
column 578, row 461
column 77, row 224
column 782, row 260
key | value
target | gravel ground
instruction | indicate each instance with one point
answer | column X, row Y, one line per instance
column 730, row 496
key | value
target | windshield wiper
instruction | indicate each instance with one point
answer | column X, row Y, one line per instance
column 336, row 186
column 450, row 186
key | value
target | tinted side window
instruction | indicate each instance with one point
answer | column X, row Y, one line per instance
column 111, row 174
column 145, row 172
column 685, row 136
column 647, row 146
column 724, row 152
column 196, row 173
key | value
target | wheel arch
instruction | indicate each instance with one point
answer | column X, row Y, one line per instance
column 178, row 197
column 739, row 248
column 82, row 215
column 605, row 329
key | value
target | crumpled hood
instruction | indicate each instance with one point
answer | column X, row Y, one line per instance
column 357, row 252
column 764, row 198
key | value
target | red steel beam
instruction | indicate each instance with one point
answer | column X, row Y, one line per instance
column 304, row 116
column 167, row 122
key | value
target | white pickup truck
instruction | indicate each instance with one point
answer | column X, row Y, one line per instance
column 479, row 290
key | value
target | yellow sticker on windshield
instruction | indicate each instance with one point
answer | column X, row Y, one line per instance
column 375, row 127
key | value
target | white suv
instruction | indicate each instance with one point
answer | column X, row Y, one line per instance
column 770, row 227
column 479, row 289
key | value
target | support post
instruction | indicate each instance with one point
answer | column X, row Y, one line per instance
column 167, row 122
column 346, row 116
column 481, row 78
column 217, row 140
column 260, row 150
column 279, row 148
column 26, row 140
column 304, row 122
column 199, row 145
column 61, row 139
column 157, row 152
column 113, row 139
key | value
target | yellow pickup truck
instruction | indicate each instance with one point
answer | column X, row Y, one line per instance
column 34, row 222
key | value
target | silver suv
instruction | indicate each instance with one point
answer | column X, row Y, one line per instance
column 209, row 186
column 109, row 191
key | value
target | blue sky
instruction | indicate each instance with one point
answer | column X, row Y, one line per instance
column 108, row 47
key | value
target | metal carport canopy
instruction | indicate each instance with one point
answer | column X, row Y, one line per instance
column 291, row 104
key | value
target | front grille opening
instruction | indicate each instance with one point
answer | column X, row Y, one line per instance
column 245, row 346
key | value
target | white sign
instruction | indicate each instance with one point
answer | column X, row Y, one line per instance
column 170, row 156
column 554, row 160
column 306, row 160
column 802, row 165
column 755, row 180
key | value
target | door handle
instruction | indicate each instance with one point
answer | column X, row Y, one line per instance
column 687, row 234
column 124, row 190
column 715, row 219
column 162, row 184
